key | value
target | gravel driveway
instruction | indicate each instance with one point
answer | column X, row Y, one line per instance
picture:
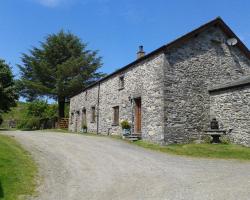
column 78, row 167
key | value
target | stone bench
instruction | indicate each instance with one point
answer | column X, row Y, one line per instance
column 215, row 134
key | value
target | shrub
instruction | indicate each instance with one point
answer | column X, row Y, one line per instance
column 37, row 108
column 21, row 124
column 32, row 123
column 125, row 124
column 39, row 114
column 84, row 126
column 206, row 139
column 225, row 139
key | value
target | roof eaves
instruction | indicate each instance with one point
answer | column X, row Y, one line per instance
column 238, row 83
column 177, row 42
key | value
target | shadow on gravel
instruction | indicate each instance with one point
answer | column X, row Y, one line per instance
column 5, row 129
column 1, row 191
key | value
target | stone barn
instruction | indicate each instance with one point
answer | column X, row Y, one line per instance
column 171, row 94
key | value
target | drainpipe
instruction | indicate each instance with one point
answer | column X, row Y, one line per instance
column 132, row 114
column 98, row 103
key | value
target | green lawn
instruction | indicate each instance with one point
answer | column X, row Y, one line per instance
column 225, row 151
column 17, row 170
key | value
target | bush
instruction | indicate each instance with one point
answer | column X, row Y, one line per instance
column 32, row 123
column 225, row 139
column 84, row 126
column 37, row 108
column 125, row 124
column 206, row 139
column 39, row 115
column 22, row 124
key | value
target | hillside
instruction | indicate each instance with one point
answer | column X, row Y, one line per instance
column 16, row 114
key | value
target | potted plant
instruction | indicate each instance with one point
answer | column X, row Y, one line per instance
column 125, row 127
column 84, row 128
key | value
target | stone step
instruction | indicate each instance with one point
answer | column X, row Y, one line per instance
column 133, row 137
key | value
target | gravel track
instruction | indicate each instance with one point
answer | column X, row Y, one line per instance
column 76, row 167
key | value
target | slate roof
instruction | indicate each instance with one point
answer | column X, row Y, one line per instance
column 216, row 22
column 237, row 83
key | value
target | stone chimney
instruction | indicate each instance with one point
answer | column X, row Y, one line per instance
column 140, row 53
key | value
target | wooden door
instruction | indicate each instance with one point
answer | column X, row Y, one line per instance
column 138, row 115
column 84, row 117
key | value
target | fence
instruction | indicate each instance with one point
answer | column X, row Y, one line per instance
column 63, row 123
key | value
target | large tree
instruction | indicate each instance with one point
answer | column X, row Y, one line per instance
column 59, row 68
column 8, row 95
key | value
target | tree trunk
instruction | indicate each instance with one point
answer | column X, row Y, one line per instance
column 61, row 106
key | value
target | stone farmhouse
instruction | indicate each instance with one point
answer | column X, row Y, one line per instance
column 171, row 94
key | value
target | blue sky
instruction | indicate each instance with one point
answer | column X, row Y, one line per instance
column 114, row 27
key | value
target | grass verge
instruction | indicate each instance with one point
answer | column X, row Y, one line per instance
column 225, row 151
column 17, row 170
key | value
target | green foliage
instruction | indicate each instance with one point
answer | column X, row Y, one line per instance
column 66, row 110
column 225, row 139
column 39, row 114
column 51, row 112
column 59, row 68
column 37, row 108
column 17, row 170
column 32, row 123
column 125, row 124
column 15, row 114
column 8, row 95
column 206, row 139
column 84, row 126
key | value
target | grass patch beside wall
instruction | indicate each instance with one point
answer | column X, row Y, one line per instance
column 17, row 170
column 225, row 151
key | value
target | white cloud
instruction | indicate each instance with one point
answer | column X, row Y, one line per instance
column 52, row 3
column 56, row 3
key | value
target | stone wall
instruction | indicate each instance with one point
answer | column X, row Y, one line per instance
column 145, row 80
column 231, row 108
column 173, row 87
column 85, row 100
column 193, row 67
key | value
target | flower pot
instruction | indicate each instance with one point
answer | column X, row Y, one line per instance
column 125, row 132
column 84, row 130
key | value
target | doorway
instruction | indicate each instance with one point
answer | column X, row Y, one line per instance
column 138, row 115
column 84, row 117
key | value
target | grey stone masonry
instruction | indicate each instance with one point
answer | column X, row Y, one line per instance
column 193, row 67
column 232, row 109
column 145, row 80
column 173, row 83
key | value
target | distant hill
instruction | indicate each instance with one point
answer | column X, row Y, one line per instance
column 16, row 114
